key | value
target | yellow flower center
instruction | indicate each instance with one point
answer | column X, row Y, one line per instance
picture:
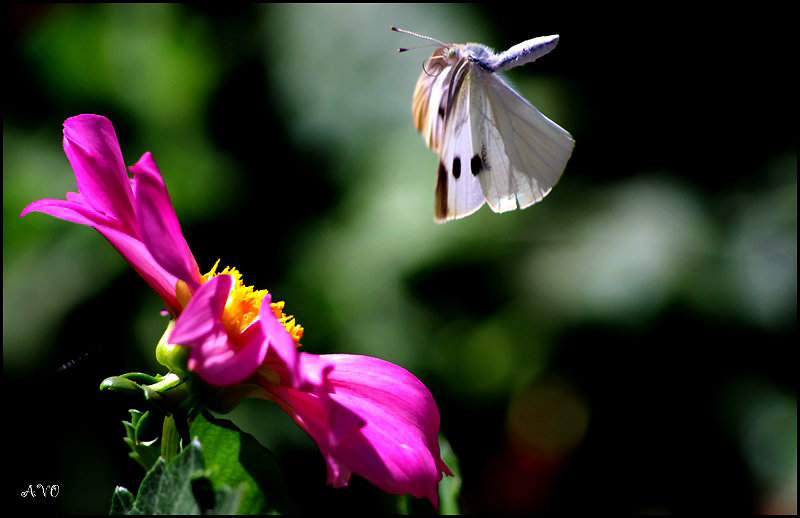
column 244, row 305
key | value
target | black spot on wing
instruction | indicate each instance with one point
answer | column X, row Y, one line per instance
column 456, row 168
column 476, row 165
column 440, row 210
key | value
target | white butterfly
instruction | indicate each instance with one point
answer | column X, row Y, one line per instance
column 493, row 145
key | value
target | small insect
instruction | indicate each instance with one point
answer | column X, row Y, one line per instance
column 71, row 363
column 494, row 147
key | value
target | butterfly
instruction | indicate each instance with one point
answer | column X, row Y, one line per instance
column 494, row 147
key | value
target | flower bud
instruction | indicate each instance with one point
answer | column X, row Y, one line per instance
column 173, row 357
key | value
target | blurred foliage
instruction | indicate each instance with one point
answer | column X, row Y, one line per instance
column 626, row 344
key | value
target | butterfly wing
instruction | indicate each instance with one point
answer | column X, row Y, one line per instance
column 430, row 99
column 427, row 97
column 458, row 189
column 522, row 153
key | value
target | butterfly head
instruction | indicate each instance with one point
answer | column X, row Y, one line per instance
column 442, row 57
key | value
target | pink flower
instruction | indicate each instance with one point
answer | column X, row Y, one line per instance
column 367, row 415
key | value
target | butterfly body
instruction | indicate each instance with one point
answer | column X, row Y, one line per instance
column 494, row 147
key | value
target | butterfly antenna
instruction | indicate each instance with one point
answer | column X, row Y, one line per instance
column 404, row 49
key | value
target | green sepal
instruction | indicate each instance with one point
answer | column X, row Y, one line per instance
column 173, row 357
column 121, row 384
column 139, row 383
column 169, row 394
column 142, row 379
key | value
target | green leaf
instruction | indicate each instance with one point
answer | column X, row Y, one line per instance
column 143, row 451
column 236, row 459
column 180, row 488
column 223, row 501
column 170, row 439
column 122, row 501
column 449, row 487
column 168, row 490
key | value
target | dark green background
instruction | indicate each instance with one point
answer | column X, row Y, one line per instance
column 625, row 345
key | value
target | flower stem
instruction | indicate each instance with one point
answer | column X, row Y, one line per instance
column 169, row 381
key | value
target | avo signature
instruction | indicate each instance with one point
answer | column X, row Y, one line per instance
column 49, row 490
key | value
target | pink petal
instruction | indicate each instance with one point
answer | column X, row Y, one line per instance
column 202, row 314
column 214, row 357
column 79, row 213
column 283, row 356
column 91, row 146
column 130, row 247
column 159, row 226
column 375, row 419
column 219, row 363
column 138, row 256
column 403, row 424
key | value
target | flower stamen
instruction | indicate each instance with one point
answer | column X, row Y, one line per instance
column 244, row 305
